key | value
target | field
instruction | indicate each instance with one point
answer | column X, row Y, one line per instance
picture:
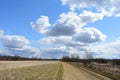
column 45, row 70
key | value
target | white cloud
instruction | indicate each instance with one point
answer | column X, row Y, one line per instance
column 68, row 24
column 69, row 31
column 41, row 24
column 19, row 45
column 16, row 45
column 110, row 6
column 87, row 16
column 26, row 51
column 52, row 52
column 4, row 52
column 56, row 52
column 114, row 8
column 90, row 35
column 77, row 4
column 13, row 41
column 107, row 50
column 62, row 40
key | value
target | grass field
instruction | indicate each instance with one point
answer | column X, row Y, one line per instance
column 30, row 70
column 44, row 70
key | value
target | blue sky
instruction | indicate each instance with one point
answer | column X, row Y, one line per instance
column 18, row 15
column 43, row 28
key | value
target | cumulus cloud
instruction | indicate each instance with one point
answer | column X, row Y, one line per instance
column 16, row 45
column 41, row 24
column 12, row 41
column 90, row 35
column 110, row 6
column 87, row 16
column 26, row 51
column 107, row 50
column 68, row 24
column 4, row 52
column 77, row 4
column 69, row 31
column 68, row 35
column 62, row 40
column 56, row 52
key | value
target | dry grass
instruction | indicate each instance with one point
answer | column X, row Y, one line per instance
column 18, row 64
column 30, row 70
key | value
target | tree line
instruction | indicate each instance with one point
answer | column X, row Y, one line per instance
column 65, row 59
column 88, row 61
column 18, row 58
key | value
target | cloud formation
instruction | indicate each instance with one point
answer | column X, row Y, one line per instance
column 16, row 45
column 77, row 4
column 87, row 16
column 56, row 52
column 52, row 52
column 107, row 7
column 12, row 41
column 68, row 24
column 90, row 35
column 107, row 50
column 61, row 41
column 41, row 24
column 69, row 34
column 70, row 30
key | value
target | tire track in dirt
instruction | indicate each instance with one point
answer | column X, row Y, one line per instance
column 73, row 73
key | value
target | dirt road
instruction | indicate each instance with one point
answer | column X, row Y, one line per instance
column 72, row 73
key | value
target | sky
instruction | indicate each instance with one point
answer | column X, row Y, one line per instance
column 57, row 28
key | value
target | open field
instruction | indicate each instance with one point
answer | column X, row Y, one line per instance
column 19, row 64
column 45, row 70
column 29, row 70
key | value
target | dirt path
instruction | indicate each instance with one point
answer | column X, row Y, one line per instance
column 73, row 73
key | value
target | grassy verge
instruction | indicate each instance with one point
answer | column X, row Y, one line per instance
column 109, row 75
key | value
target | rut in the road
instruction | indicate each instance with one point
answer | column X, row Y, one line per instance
column 72, row 73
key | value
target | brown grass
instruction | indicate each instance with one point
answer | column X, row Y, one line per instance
column 30, row 70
